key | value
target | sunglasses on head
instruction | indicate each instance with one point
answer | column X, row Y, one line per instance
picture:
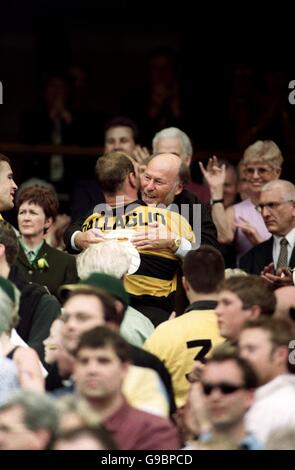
column 224, row 387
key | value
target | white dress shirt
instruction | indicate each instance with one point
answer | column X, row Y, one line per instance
column 290, row 237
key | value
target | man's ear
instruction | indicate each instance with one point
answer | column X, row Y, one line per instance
column 179, row 188
column 281, row 354
column 2, row 250
column 255, row 312
column 185, row 284
column 188, row 160
column 132, row 179
column 43, row 438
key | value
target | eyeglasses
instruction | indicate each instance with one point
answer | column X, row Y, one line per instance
column 260, row 170
column 224, row 387
column 271, row 205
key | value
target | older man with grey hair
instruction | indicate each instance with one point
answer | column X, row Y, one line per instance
column 173, row 140
column 31, row 419
column 275, row 257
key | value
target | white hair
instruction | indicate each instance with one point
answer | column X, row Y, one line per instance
column 174, row 132
column 233, row 272
column 287, row 188
column 108, row 257
column 8, row 311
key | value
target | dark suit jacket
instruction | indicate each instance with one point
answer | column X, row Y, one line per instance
column 255, row 260
column 62, row 268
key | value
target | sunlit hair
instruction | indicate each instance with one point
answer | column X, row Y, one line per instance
column 174, row 132
column 42, row 197
column 265, row 151
column 287, row 188
column 109, row 257
column 111, row 171
column 3, row 158
column 251, row 290
column 9, row 311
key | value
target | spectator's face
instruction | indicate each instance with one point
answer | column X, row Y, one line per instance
column 32, row 220
column 172, row 145
column 159, row 182
column 256, row 347
column 243, row 185
column 225, row 409
column 14, row 435
column 258, row 174
column 81, row 313
column 119, row 139
column 99, row 373
column 230, row 315
column 7, row 187
column 279, row 220
column 230, row 187
column 53, row 343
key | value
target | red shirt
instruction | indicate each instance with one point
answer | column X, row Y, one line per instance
column 133, row 429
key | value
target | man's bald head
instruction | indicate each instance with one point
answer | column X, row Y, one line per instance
column 167, row 160
column 162, row 179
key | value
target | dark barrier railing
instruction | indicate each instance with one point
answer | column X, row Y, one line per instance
column 18, row 149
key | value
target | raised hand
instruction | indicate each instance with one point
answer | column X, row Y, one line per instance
column 214, row 174
column 141, row 156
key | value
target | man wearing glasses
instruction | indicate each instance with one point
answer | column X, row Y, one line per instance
column 228, row 384
column 274, row 258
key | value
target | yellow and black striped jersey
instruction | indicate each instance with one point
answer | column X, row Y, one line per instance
column 156, row 274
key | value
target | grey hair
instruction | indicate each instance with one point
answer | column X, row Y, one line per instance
column 287, row 188
column 39, row 410
column 8, row 311
column 281, row 439
column 231, row 272
column 174, row 132
column 266, row 151
column 108, row 257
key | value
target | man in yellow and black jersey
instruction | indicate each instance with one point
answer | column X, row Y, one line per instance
column 154, row 283
column 155, row 276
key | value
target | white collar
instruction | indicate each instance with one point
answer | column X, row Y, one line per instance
column 290, row 237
